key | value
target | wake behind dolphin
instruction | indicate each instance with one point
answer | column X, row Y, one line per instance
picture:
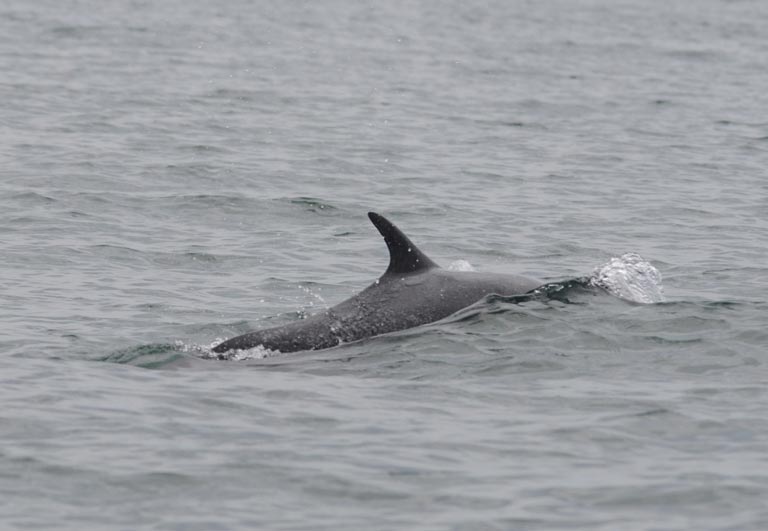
column 414, row 290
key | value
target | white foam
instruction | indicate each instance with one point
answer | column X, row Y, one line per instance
column 630, row 277
column 255, row 353
column 206, row 351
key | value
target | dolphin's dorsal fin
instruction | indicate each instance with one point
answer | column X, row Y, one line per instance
column 404, row 256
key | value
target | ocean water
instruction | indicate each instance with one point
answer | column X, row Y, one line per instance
column 175, row 173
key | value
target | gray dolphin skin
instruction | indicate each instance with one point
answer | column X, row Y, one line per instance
column 413, row 291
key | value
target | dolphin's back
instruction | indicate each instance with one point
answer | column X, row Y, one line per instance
column 312, row 333
column 401, row 302
column 389, row 305
column 413, row 291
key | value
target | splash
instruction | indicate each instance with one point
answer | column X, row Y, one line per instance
column 629, row 277
column 308, row 289
column 460, row 265
column 256, row 353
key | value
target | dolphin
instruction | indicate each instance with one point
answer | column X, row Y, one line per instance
column 413, row 291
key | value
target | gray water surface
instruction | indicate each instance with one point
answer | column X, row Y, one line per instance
column 173, row 173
